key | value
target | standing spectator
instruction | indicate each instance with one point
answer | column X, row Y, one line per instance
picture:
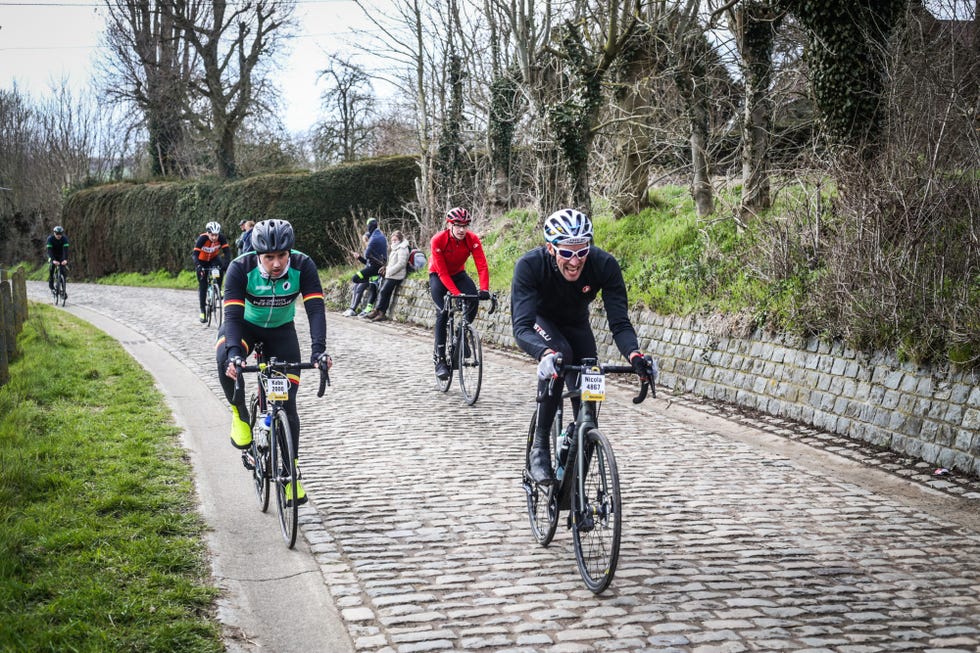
column 57, row 248
column 374, row 256
column 244, row 242
column 210, row 249
column 394, row 273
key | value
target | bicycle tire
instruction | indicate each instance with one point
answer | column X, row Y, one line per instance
column 284, row 471
column 260, row 474
column 62, row 287
column 218, row 308
column 209, row 305
column 470, row 356
column 542, row 502
column 597, row 530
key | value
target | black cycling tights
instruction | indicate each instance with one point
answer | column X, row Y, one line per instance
column 574, row 341
column 438, row 292
column 280, row 342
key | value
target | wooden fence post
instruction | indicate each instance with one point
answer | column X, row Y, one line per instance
column 19, row 292
column 6, row 330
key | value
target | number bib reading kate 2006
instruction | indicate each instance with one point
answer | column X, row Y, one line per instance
column 277, row 388
column 593, row 386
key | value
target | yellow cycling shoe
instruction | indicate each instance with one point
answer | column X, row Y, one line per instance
column 300, row 494
column 241, row 432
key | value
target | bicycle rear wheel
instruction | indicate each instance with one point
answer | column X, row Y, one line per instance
column 542, row 501
column 260, row 456
column 284, row 472
column 597, row 527
column 470, row 357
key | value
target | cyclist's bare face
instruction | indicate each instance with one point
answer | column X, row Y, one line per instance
column 458, row 231
column 274, row 263
column 570, row 259
column 212, row 236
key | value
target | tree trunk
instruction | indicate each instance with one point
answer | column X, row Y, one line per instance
column 701, row 179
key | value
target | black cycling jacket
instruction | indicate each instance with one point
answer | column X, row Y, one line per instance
column 539, row 288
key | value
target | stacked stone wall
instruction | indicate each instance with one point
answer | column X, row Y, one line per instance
column 930, row 413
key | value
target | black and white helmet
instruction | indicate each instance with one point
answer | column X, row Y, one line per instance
column 273, row 236
column 568, row 227
column 59, row 229
column 212, row 228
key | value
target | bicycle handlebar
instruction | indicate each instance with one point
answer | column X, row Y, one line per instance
column 607, row 368
column 461, row 298
column 282, row 366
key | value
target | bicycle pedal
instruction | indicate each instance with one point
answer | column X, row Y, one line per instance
column 248, row 461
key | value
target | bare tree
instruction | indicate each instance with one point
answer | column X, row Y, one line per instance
column 151, row 67
column 232, row 42
column 349, row 102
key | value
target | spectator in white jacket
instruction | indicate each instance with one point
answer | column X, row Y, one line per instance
column 394, row 271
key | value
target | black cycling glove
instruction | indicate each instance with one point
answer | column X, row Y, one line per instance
column 484, row 294
column 644, row 366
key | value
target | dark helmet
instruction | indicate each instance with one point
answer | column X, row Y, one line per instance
column 458, row 215
column 59, row 229
column 273, row 236
column 372, row 224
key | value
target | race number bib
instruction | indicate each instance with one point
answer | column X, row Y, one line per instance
column 277, row 388
column 593, row 386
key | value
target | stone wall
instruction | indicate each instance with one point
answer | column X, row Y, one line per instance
column 928, row 413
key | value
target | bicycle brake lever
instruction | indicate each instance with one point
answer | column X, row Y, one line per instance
column 644, row 387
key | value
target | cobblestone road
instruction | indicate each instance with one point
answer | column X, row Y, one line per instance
column 419, row 525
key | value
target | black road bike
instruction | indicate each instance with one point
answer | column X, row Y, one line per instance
column 588, row 479
column 212, row 304
column 271, row 456
column 464, row 351
column 60, row 290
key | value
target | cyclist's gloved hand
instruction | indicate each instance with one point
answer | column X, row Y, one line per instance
column 484, row 294
column 644, row 366
column 321, row 360
column 546, row 366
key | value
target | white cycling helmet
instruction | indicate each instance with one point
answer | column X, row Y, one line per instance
column 568, row 227
column 212, row 228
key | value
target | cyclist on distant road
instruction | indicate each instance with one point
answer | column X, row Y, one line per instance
column 260, row 306
column 550, row 295
column 211, row 249
column 57, row 249
column 451, row 248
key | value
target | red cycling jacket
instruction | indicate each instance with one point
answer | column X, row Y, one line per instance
column 449, row 257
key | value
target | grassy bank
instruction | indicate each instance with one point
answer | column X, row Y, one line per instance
column 100, row 548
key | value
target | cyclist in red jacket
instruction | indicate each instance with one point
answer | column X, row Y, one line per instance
column 447, row 273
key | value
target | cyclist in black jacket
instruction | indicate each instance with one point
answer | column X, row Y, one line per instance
column 550, row 295
column 57, row 249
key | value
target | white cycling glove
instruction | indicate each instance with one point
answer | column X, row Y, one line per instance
column 546, row 366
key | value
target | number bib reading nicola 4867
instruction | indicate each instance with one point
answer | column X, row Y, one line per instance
column 277, row 388
column 593, row 386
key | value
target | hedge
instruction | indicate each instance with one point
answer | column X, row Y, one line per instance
column 127, row 227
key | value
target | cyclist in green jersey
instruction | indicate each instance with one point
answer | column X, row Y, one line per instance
column 261, row 290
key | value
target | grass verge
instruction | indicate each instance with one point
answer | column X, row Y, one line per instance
column 100, row 546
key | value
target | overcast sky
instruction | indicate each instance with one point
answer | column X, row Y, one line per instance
column 41, row 41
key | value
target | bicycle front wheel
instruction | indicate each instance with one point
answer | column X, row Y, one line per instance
column 62, row 290
column 542, row 501
column 284, row 472
column 597, row 514
column 260, row 456
column 218, row 308
column 470, row 357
